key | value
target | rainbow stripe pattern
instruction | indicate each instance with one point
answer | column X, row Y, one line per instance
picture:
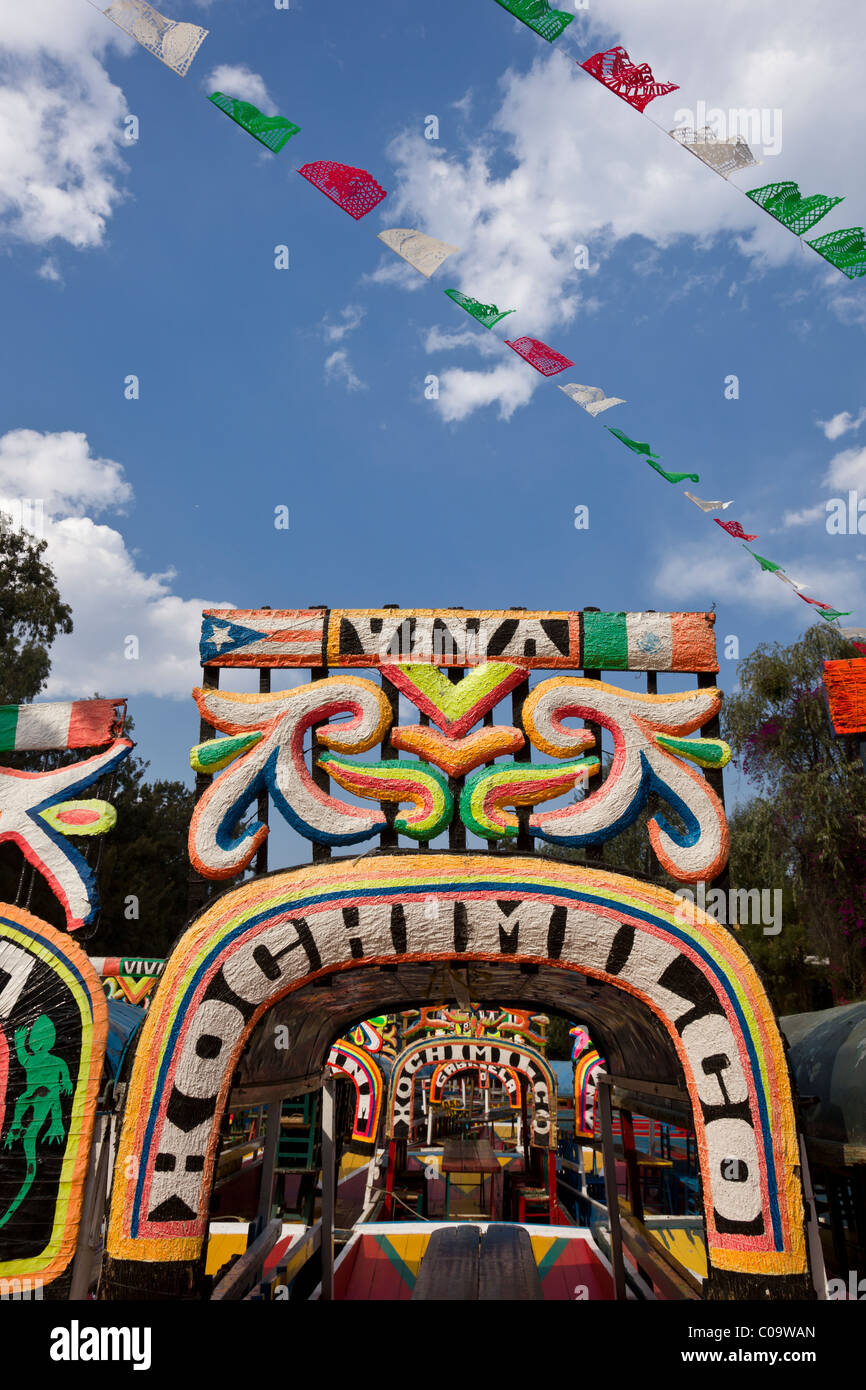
column 598, row 905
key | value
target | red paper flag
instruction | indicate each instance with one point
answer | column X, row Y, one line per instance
column 734, row 529
column 816, row 602
column 540, row 356
column 615, row 70
column 353, row 190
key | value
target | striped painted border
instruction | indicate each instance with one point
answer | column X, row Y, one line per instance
column 240, row 915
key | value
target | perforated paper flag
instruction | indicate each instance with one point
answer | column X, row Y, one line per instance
column 486, row 314
column 846, row 250
column 543, row 358
column 635, row 84
column 424, row 253
column 724, row 156
column 785, row 202
column 272, row 131
column 353, row 190
column 538, row 15
column 734, row 529
column 831, row 614
column 708, row 506
column 673, row 477
column 592, row 398
column 786, row 579
column 175, row 43
column 815, row 602
column 769, row 565
column 633, row 444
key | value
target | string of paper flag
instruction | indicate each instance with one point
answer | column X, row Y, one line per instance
column 357, row 192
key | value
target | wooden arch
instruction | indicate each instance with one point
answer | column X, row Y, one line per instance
column 481, row 1052
column 646, row 970
column 446, row 1071
column 346, row 1059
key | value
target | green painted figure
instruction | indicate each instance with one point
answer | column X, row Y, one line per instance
column 47, row 1080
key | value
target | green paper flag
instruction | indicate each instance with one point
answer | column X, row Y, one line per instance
column 785, row 202
column 538, row 15
column 846, row 250
column 633, row 444
column 486, row 314
column 831, row 614
column 768, row 565
column 272, row 131
column 673, row 477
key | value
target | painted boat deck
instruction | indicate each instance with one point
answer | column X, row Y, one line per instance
column 383, row 1261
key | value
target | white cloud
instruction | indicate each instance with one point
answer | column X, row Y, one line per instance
column 486, row 343
column 461, row 392
column 847, row 470
column 237, row 80
column 393, row 271
column 563, row 163
column 49, row 270
column 339, row 368
column 694, row 573
column 840, row 424
column 806, row 516
column 60, row 123
column 110, row 596
column 352, row 317
column 60, row 470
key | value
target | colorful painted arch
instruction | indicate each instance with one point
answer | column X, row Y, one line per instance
column 446, row 1071
column 272, row 936
column 586, row 1070
column 473, row 1052
column 346, row 1059
column 53, row 1030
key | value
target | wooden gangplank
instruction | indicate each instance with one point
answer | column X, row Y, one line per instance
column 449, row 1269
column 462, row 1265
column 507, row 1270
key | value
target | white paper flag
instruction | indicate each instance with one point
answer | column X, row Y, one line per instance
column 724, row 156
column 422, row 252
column 592, row 398
column 174, row 42
column 709, row 506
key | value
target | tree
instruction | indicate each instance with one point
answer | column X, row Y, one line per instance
column 760, row 855
column 144, row 873
column 807, row 831
column 32, row 614
column 143, row 868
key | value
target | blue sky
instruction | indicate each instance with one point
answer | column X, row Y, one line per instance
column 162, row 265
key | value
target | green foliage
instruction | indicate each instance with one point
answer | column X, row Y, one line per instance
column 559, row 1044
column 144, row 857
column 31, row 615
column 807, row 831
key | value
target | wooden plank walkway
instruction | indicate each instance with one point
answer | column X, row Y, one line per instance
column 449, row 1269
column 507, row 1270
